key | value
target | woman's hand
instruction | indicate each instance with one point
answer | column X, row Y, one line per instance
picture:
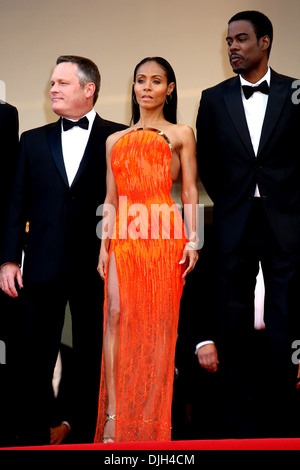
column 103, row 258
column 189, row 256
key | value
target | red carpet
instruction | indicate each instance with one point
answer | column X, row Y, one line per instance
column 231, row 444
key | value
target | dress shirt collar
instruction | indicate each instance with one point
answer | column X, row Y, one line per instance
column 266, row 77
column 90, row 115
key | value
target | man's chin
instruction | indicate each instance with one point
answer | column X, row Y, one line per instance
column 57, row 110
column 238, row 70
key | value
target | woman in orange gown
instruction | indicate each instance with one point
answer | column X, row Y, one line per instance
column 144, row 258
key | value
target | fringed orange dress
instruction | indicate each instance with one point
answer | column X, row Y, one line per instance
column 148, row 243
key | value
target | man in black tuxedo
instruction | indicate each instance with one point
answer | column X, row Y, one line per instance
column 59, row 183
column 248, row 157
column 9, row 138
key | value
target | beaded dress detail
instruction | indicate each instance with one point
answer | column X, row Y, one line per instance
column 148, row 243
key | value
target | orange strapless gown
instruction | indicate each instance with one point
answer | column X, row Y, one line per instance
column 148, row 245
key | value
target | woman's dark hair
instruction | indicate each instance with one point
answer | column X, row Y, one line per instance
column 261, row 24
column 87, row 71
column 170, row 107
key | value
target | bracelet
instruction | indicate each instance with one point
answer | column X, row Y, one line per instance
column 192, row 245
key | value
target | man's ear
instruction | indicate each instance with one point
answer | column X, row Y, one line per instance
column 264, row 42
column 90, row 89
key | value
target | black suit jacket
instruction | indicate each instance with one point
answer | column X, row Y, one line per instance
column 9, row 138
column 230, row 171
column 62, row 232
column 198, row 307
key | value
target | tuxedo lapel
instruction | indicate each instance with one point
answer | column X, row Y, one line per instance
column 54, row 140
column 235, row 107
column 277, row 97
column 97, row 135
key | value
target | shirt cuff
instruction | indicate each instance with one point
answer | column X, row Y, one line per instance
column 203, row 343
column 66, row 423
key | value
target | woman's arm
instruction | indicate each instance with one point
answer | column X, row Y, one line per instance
column 109, row 209
column 189, row 195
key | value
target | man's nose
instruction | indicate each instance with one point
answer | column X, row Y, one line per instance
column 54, row 88
column 233, row 46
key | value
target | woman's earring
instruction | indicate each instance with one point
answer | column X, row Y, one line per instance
column 168, row 100
column 134, row 99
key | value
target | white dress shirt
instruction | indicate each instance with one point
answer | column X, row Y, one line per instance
column 255, row 110
column 74, row 142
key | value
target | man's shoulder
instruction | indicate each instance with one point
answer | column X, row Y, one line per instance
column 220, row 87
column 279, row 77
column 7, row 108
column 233, row 81
column 40, row 130
column 112, row 125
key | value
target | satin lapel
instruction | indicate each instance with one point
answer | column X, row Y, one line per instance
column 235, row 107
column 54, row 140
column 278, row 94
column 97, row 134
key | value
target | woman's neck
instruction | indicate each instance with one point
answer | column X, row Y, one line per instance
column 151, row 119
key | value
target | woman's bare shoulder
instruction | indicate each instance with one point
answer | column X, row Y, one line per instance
column 184, row 130
column 180, row 134
column 113, row 138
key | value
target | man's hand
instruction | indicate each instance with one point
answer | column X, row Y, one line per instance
column 208, row 357
column 9, row 273
column 59, row 434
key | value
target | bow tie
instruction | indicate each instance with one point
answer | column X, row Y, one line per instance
column 83, row 123
column 249, row 90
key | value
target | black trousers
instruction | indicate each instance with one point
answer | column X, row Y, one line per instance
column 10, row 317
column 260, row 375
column 44, row 313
